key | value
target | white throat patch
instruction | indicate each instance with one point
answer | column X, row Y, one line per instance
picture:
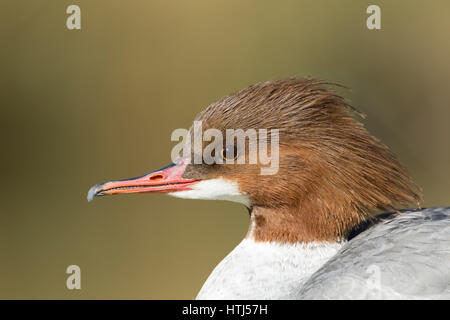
column 214, row 189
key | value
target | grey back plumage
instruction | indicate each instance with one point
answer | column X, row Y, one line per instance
column 401, row 257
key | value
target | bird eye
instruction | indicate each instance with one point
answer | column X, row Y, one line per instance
column 229, row 153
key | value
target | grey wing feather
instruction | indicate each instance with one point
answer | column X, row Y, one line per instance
column 404, row 257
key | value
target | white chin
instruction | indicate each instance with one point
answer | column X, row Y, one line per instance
column 214, row 189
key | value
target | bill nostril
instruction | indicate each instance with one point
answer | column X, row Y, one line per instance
column 156, row 177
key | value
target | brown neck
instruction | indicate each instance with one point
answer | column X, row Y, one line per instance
column 300, row 224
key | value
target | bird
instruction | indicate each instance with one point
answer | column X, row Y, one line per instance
column 341, row 217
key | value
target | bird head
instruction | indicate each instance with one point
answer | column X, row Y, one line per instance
column 304, row 157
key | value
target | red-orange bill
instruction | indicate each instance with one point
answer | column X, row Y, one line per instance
column 167, row 179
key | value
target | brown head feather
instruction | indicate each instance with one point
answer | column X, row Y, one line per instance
column 332, row 172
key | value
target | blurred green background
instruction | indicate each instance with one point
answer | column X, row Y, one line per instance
column 82, row 107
